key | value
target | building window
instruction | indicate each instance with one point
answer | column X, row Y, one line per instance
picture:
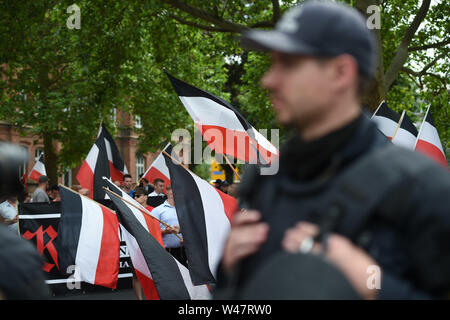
column 137, row 122
column 23, row 166
column 37, row 154
column 67, row 177
column 140, row 166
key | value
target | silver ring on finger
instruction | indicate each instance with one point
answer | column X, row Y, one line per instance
column 306, row 245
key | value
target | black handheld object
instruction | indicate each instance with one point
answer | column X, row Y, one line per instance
column 11, row 159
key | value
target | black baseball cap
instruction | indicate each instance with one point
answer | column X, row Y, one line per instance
column 319, row 28
column 43, row 179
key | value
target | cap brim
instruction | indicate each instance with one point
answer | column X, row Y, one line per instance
column 273, row 40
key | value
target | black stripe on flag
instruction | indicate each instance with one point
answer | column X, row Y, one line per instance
column 184, row 89
column 408, row 125
column 165, row 272
column 69, row 228
column 191, row 215
column 429, row 118
column 116, row 159
column 385, row 111
column 101, row 167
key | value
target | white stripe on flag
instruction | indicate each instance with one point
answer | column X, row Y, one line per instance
column 89, row 244
column 108, row 150
column 207, row 112
column 404, row 138
column 385, row 125
column 429, row 134
column 195, row 292
column 217, row 223
column 92, row 156
column 135, row 252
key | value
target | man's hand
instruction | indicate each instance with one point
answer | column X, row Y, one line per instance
column 170, row 230
column 245, row 238
column 351, row 260
column 12, row 221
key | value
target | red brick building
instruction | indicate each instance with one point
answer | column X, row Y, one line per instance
column 126, row 140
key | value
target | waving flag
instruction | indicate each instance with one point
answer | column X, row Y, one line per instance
column 224, row 129
column 160, row 274
column 386, row 119
column 158, row 169
column 205, row 216
column 38, row 169
column 406, row 133
column 88, row 237
column 103, row 160
column 428, row 141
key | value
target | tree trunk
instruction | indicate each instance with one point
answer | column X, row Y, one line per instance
column 51, row 158
column 375, row 93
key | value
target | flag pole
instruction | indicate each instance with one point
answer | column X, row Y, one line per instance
column 398, row 125
column 143, row 210
column 421, row 126
column 233, row 168
column 377, row 108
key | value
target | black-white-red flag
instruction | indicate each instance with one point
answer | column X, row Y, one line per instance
column 38, row 169
column 158, row 169
column 386, row 119
column 204, row 214
column 160, row 274
column 224, row 129
column 406, row 134
column 103, row 160
column 88, row 240
column 428, row 141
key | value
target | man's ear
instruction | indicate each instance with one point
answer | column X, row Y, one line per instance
column 345, row 72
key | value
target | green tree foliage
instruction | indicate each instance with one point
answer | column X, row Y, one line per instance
column 59, row 83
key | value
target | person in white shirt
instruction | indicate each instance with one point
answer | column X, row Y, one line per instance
column 157, row 197
column 167, row 213
column 8, row 213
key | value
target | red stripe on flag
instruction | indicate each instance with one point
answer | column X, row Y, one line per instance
column 234, row 143
column 34, row 175
column 148, row 286
column 153, row 227
column 432, row 151
column 154, row 173
column 230, row 205
column 115, row 174
column 86, row 177
column 108, row 260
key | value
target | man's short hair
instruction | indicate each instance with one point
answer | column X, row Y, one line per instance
column 139, row 191
column 42, row 179
column 157, row 180
column 126, row 176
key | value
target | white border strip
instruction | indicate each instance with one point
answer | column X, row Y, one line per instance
column 40, row 216
column 56, row 281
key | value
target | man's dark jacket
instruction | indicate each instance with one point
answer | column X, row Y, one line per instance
column 407, row 232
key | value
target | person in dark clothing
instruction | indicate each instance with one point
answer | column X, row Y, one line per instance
column 21, row 275
column 343, row 191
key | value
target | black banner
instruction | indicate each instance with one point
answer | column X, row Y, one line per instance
column 38, row 223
